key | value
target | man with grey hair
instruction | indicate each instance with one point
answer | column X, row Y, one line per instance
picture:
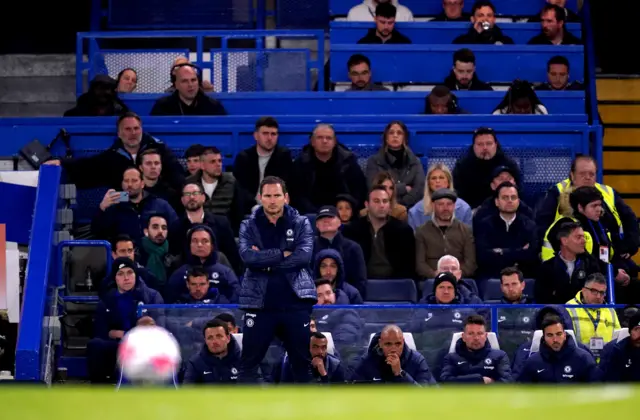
column 451, row 264
column 323, row 170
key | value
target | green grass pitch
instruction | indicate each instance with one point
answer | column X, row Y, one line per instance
column 330, row 403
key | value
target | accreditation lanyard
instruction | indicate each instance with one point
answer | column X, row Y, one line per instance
column 605, row 237
column 595, row 321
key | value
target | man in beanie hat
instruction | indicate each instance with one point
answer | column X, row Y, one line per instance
column 623, row 364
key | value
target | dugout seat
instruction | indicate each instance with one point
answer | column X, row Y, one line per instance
column 620, row 334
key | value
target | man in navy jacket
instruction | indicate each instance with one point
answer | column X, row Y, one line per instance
column 560, row 360
column 218, row 360
column 623, row 362
column 278, row 293
column 474, row 361
column 390, row 360
column 325, row 367
column 329, row 265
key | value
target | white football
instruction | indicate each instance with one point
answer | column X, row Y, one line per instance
column 148, row 354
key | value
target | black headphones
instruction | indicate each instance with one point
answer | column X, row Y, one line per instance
column 179, row 66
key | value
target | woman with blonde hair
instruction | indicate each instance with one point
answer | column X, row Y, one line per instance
column 438, row 176
column 386, row 180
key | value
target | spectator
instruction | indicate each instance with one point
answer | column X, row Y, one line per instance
column 325, row 367
column 560, row 360
column 219, row 359
column 366, row 11
column 323, row 170
column 438, row 177
column 552, row 20
column 520, row 99
column 387, row 181
column 385, row 32
column 473, row 172
column 484, row 29
column 452, row 12
column 450, row 264
column 386, row 242
column 473, row 360
column 345, row 204
column 570, row 15
column 105, row 169
column 127, row 80
column 563, row 276
column 507, row 238
column 558, row 76
column 443, row 234
column 390, row 360
column 512, row 285
column 123, row 246
column 624, row 363
column 329, row 265
column 345, row 325
column 441, row 102
column 265, row 158
column 359, row 67
column 101, row 100
column 463, row 74
column 200, row 291
column 154, row 251
column 329, row 236
column 192, row 156
column 624, row 317
column 150, row 164
column 127, row 212
column 448, row 291
column 188, row 97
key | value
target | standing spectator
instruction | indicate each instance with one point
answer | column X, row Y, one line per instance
column 463, row 74
column 483, row 29
column 359, row 67
column 387, row 181
column 624, row 363
column 385, row 32
column 520, row 99
column 192, row 156
column 552, row 20
column 452, row 12
column 366, row 12
column 558, row 76
column 101, row 100
column 127, row 80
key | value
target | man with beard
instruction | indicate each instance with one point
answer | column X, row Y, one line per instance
column 385, row 32
column 126, row 211
column 326, row 368
column 154, row 251
column 359, row 67
column 463, row 74
column 623, row 365
column 552, row 20
column 193, row 198
column 265, row 158
column 483, row 29
column 219, row 186
column 473, row 172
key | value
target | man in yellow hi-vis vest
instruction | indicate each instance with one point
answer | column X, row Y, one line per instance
column 593, row 327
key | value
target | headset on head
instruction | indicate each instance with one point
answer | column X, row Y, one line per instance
column 179, row 66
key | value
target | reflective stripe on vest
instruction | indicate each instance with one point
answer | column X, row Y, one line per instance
column 607, row 195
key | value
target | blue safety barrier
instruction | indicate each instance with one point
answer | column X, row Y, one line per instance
column 436, row 32
column 432, row 63
column 360, row 103
column 434, row 7
column 230, row 69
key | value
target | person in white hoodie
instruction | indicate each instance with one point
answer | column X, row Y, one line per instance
column 366, row 12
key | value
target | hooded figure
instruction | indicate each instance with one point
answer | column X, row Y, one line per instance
column 345, row 293
column 101, row 100
column 521, row 99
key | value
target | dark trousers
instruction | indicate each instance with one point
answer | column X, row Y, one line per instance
column 291, row 327
column 101, row 360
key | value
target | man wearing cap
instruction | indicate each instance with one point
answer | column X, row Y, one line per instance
column 623, row 362
column 443, row 235
column 329, row 237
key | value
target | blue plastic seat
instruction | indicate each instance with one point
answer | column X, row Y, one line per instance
column 392, row 290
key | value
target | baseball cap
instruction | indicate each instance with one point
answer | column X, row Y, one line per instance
column 327, row 211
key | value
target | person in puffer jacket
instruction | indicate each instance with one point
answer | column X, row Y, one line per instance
column 203, row 251
column 117, row 313
column 390, row 360
column 345, row 325
column 219, row 359
column 623, row 362
column 559, row 360
column 330, row 266
column 474, row 361
column 326, row 367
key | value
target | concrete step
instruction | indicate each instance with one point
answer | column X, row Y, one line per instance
column 50, row 109
column 43, row 89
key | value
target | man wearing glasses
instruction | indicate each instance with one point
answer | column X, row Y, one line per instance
column 452, row 12
column 593, row 326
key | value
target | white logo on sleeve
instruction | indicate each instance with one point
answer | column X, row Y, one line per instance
column 306, row 324
column 289, row 232
column 377, row 379
column 234, row 371
column 539, row 370
column 250, row 322
column 207, row 373
column 460, row 363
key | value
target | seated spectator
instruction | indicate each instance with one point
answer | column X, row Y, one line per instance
column 115, row 315
column 396, row 157
column 552, row 20
column 203, row 252
column 441, row 102
column 366, row 11
column 345, row 204
column 623, row 365
column 345, row 325
column 265, row 158
column 452, row 12
column 447, row 290
column 329, row 237
column 512, row 285
column 507, row 238
column 101, row 100
column 192, row 157
column 329, row 265
column 561, row 277
column 624, row 317
column 474, row 361
column 105, row 169
column 390, row 360
column 450, row 264
column 123, row 246
column 218, row 361
column 127, row 212
column 323, row 170
column 387, row 243
column 443, row 234
column 387, row 181
column 385, row 32
column 150, row 164
column 520, row 99
column 200, row 290
column 474, row 171
column 558, row 76
column 484, row 29
column 325, row 367
column 127, row 80
column 570, row 15
column 189, row 97
column 593, row 326
column 359, row 67
column 463, row 74
column 438, row 177
column 154, row 251
column 559, row 360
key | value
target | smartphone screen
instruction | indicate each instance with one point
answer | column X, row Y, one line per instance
column 124, row 197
